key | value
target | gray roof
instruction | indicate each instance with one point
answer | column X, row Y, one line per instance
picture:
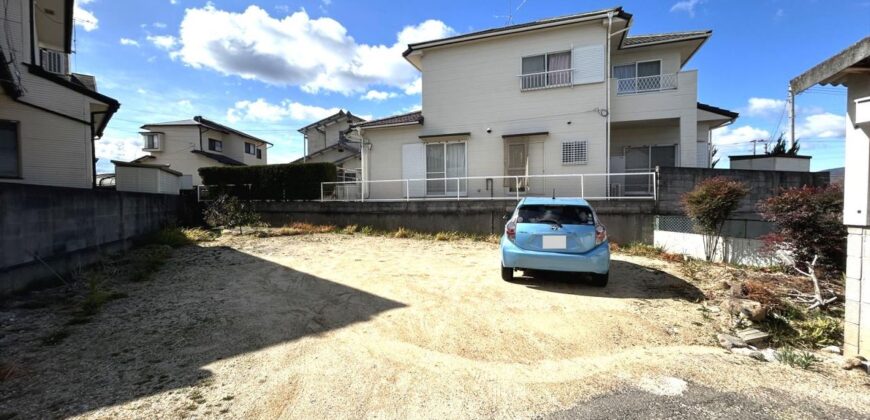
column 201, row 121
column 649, row 39
column 415, row 117
column 332, row 118
column 218, row 158
column 174, row 123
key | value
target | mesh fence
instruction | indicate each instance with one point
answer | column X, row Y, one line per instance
column 734, row 228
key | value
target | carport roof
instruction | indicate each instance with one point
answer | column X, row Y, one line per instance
column 833, row 71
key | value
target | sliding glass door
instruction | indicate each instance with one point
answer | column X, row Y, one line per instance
column 445, row 160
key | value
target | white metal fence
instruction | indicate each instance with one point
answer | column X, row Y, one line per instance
column 622, row 186
column 646, row 84
column 547, row 79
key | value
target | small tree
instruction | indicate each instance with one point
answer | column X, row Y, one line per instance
column 230, row 212
column 809, row 226
column 710, row 205
column 779, row 148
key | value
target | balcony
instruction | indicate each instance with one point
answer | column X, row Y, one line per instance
column 56, row 62
column 546, row 80
column 645, row 84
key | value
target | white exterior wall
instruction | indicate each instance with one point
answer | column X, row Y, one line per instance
column 855, row 214
column 773, row 164
column 146, row 180
column 317, row 140
column 384, row 159
column 731, row 250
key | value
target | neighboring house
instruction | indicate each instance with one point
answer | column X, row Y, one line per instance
column 325, row 141
column 851, row 68
column 146, row 178
column 49, row 116
column 568, row 95
column 187, row 145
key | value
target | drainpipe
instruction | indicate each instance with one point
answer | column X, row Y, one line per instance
column 607, row 100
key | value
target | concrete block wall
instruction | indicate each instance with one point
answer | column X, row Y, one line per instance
column 674, row 182
column 857, row 326
column 69, row 228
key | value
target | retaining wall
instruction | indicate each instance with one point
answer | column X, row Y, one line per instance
column 68, row 228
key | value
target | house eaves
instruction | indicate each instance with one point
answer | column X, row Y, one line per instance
column 653, row 40
column 716, row 110
column 202, row 122
column 411, row 118
column 218, row 158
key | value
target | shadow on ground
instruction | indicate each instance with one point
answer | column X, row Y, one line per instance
column 627, row 280
column 205, row 305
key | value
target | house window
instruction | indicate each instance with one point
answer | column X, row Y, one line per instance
column 259, row 154
column 9, row 157
column 151, row 140
column 575, row 152
column 250, row 148
column 640, row 77
column 216, row 145
column 445, row 160
column 546, row 70
column 516, row 164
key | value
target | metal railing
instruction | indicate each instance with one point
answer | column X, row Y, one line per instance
column 547, row 79
column 613, row 186
column 646, row 84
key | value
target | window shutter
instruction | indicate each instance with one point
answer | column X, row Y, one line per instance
column 588, row 64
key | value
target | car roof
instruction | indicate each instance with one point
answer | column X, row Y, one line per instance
column 554, row 201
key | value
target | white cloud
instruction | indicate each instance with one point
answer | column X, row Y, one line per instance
column 173, row 2
column 254, row 45
column 687, row 6
column 159, row 25
column 377, row 95
column 263, row 111
column 166, row 42
column 728, row 135
column 130, row 42
column 415, row 87
column 84, row 18
column 822, row 126
column 141, row 91
column 118, row 147
column 765, row 107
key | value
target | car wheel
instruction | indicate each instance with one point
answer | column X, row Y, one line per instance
column 600, row 280
column 507, row 273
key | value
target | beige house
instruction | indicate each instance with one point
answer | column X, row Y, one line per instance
column 326, row 141
column 187, row 145
column 544, row 102
column 49, row 117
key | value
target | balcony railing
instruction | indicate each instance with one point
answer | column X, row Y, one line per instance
column 646, row 84
column 54, row 61
column 547, row 79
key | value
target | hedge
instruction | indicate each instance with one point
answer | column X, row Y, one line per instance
column 297, row 181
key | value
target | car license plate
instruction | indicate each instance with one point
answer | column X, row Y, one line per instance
column 554, row 242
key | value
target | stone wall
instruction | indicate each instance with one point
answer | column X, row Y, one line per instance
column 68, row 228
column 857, row 327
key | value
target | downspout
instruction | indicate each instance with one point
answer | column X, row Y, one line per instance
column 93, row 152
column 607, row 100
column 363, row 166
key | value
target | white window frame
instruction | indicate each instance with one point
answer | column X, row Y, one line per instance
column 463, row 185
column 253, row 151
column 156, row 141
column 582, row 155
column 649, row 148
column 219, row 145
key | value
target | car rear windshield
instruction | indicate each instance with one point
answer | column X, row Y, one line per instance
column 564, row 215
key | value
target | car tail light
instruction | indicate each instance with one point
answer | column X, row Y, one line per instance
column 510, row 229
column 600, row 234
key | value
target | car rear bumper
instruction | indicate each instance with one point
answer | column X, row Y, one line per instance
column 595, row 261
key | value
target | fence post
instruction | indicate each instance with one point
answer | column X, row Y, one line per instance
column 407, row 190
column 362, row 192
column 582, row 186
column 654, row 183
column 457, row 188
column 321, row 192
column 517, row 180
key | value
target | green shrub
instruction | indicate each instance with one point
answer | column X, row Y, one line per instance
column 270, row 182
column 795, row 358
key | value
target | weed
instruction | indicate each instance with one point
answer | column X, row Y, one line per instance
column 200, row 235
column 147, row 260
column 172, row 237
column 795, row 358
column 196, row 396
column 55, row 337
column 402, row 233
column 366, row 230
column 692, row 268
column 350, row 229
column 642, row 250
column 446, row 236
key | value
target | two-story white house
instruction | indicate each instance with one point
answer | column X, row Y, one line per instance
column 326, row 141
column 187, row 145
column 540, row 101
column 49, row 116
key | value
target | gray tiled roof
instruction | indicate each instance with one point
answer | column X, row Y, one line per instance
column 637, row 40
column 411, row 117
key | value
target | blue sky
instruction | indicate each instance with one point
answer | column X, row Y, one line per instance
column 283, row 64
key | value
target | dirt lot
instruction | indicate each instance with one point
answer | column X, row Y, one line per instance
column 341, row 326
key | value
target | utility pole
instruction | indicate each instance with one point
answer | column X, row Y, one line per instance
column 755, row 144
column 791, row 116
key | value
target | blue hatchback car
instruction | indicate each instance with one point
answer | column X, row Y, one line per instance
column 555, row 234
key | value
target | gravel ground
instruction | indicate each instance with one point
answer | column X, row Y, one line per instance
column 340, row 326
